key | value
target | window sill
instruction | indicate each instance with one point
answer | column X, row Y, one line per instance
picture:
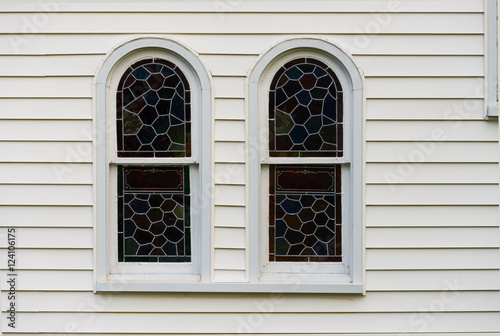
column 221, row 287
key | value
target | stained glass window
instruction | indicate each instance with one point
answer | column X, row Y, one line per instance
column 305, row 111
column 153, row 111
column 305, row 201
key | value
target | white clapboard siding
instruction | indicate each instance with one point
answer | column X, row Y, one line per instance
column 433, row 258
column 63, row 153
column 54, row 65
column 229, row 87
column 46, row 109
column 39, row 87
column 229, row 216
column 219, row 65
column 432, row 237
column 415, row 153
column 42, row 216
column 75, row 44
column 426, row 109
column 45, row 173
column 229, row 276
column 231, row 152
column 229, row 237
column 391, row 173
column 431, row 194
column 243, row 23
column 230, row 323
column 229, row 130
column 424, row 87
column 229, row 259
column 421, row 216
column 463, row 280
column 51, row 280
column 431, row 131
column 45, row 194
column 50, row 259
column 229, row 195
column 229, row 173
column 421, row 66
column 174, row 303
column 62, row 238
column 232, row 109
column 46, row 130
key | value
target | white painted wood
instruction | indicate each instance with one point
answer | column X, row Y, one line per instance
column 421, row 66
column 74, row 130
column 58, row 152
column 229, row 173
column 229, row 259
column 454, row 216
column 74, row 65
column 229, row 216
column 35, row 173
column 433, row 259
column 36, row 280
column 393, row 173
column 233, row 109
column 42, row 216
column 50, row 259
column 412, row 152
column 22, row 66
column 229, row 87
column 424, row 88
column 46, row 109
column 52, row 194
column 432, row 237
column 226, row 130
column 229, row 238
column 220, row 65
column 424, row 109
column 229, row 276
column 229, row 195
column 431, row 131
column 462, row 280
column 432, row 195
column 40, row 87
column 52, row 238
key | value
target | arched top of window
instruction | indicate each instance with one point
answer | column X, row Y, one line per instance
column 305, row 111
column 153, row 111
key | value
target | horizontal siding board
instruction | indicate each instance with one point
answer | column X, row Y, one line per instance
column 432, row 194
column 63, row 280
column 424, row 88
column 46, row 130
column 228, row 65
column 459, row 173
column 229, row 216
column 431, row 131
column 226, row 259
column 46, row 87
column 465, row 280
column 229, row 238
column 426, row 109
column 432, row 237
column 412, row 152
column 233, row 109
column 229, row 87
column 233, row 173
column 49, row 65
column 232, row 323
column 226, row 130
column 50, row 259
column 46, row 195
column 243, row 23
column 44, row 108
column 57, row 152
column 75, row 44
column 434, row 259
column 52, row 238
column 40, row 216
column 230, row 195
column 175, row 303
column 229, row 276
column 233, row 152
column 434, row 66
column 454, row 216
column 45, row 173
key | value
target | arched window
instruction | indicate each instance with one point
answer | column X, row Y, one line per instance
column 305, row 168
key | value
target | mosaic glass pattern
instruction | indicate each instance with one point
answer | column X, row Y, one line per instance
column 153, row 111
column 153, row 214
column 305, row 111
column 305, row 213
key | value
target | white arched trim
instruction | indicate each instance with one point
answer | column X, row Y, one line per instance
column 259, row 77
column 201, row 92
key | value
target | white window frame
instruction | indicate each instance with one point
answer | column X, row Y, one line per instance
column 324, row 277
column 108, row 270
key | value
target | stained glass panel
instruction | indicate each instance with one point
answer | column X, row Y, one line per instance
column 154, row 214
column 305, row 213
column 153, row 111
column 305, row 111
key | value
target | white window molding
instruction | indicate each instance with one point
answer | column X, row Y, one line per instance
column 108, row 271
column 326, row 277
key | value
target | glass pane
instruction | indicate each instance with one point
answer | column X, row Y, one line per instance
column 153, row 214
column 305, row 111
column 305, row 213
column 153, row 111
